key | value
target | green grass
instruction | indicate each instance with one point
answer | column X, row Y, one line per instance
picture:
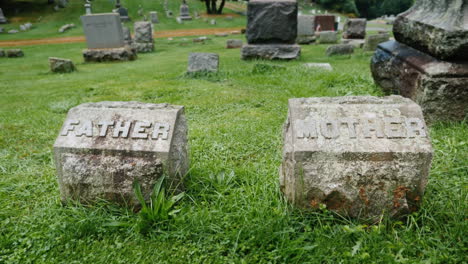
column 233, row 211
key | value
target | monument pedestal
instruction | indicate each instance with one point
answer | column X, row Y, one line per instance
column 114, row 54
column 271, row 51
column 143, row 47
column 439, row 87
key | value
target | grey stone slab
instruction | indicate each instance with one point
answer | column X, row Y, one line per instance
column 355, row 28
column 327, row 37
column 357, row 43
column 360, row 156
column 103, row 31
column 305, row 25
column 340, row 49
column 373, row 41
column 322, row 66
column 439, row 28
column 60, row 65
column 14, row 53
column 203, row 62
column 271, row 52
column 271, row 22
column 439, row 87
column 234, row 44
column 125, row 53
column 103, row 147
column 154, row 17
column 184, row 12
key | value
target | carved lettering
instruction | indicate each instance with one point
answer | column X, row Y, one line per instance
column 104, row 126
column 139, row 129
column 393, row 127
column 160, row 129
column 372, row 125
column 85, row 129
column 306, row 130
column 415, row 126
column 350, row 122
column 122, row 129
column 329, row 128
column 69, row 126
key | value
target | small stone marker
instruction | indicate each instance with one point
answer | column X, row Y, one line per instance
column 233, row 44
column 2, row 30
column 143, row 37
column 213, row 22
column 66, row 27
column 203, row 62
column 62, row 3
column 2, row 53
column 125, row 53
column 305, row 29
column 324, row 22
column 14, row 53
column 221, row 34
column 322, row 66
column 360, row 156
column 327, row 37
column 154, row 17
column 59, row 65
column 340, row 49
column 12, row 31
column 357, row 43
column 179, row 20
column 3, row 19
column 184, row 11
column 104, row 147
column 271, row 30
column 373, row 41
column 355, row 28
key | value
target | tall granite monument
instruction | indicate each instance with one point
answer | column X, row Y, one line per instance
column 184, row 11
column 271, row 30
column 104, row 147
column 361, row 156
column 144, row 41
column 428, row 62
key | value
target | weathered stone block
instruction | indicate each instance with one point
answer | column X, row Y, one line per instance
column 327, row 37
column 360, row 156
column 103, row 147
column 439, row 87
column 233, row 44
column 203, row 62
column 325, row 22
column 154, row 17
column 103, row 31
column 357, row 43
column 438, row 27
column 373, row 41
column 340, row 49
column 102, row 55
column 305, row 25
column 14, row 53
column 355, row 28
column 143, row 41
column 61, row 65
column 2, row 53
column 271, row 52
column 271, row 21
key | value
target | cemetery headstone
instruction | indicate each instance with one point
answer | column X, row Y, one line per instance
column 184, row 11
column 355, row 28
column 361, row 156
column 327, row 37
column 104, row 147
column 154, row 17
column 233, row 44
column 324, row 22
column 213, row 22
column 428, row 62
column 104, row 39
column 14, row 53
column 66, row 27
column 56, row 8
column 122, row 11
column 59, row 65
column 340, row 49
column 2, row 53
column 88, row 8
column 203, row 62
column 357, row 43
column 373, row 41
column 143, row 37
column 140, row 11
column 321, row 66
column 223, row 34
column 271, row 30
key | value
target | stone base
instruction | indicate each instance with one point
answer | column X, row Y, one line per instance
column 61, row 65
column 439, row 87
column 143, row 47
column 116, row 54
column 357, row 43
column 14, row 53
column 185, row 17
column 305, row 40
column 271, row 52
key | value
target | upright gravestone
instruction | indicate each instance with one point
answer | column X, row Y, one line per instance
column 428, row 62
column 154, row 17
column 360, row 156
column 202, row 62
column 3, row 19
column 324, row 23
column 104, row 38
column 373, row 41
column 143, row 37
column 305, row 29
column 184, row 11
column 104, row 147
column 271, row 30
column 355, row 28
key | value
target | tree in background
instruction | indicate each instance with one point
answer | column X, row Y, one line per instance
column 211, row 6
column 376, row 8
column 345, row 6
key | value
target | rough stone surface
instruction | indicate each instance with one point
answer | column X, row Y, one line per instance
column 439, row 87
column 203, row 62
column 340, row 49
column 305, row 25
column 271, row 52
column 143, row 41
column 61, row 65
column 305, row 39
column 327, row 37
column 325, row 22
column 103, row 31
column 373, row 41
column 234, row 43
column 357, row 43
column 102, row 55
column 14, row 53
column 355, row 28
column 271, row 21
column 438, row 27
column 321, row 66
column 360, row 156
column 138, row 141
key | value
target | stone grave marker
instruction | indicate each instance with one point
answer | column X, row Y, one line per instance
column 59, row 65
column 14, row 53
column 184, row 11
column 3, row 19
column 127, row 36
column 324, row 23
column 361, row 156
column 104, row 147
column 233, row 44
column 373, row 41
column 327, row 37
column 271, row 30
column 305, row 29
column 203, row 62
column 2, row 53
column 340, row 49
column 355, row 28
column 143, row 37
column 428, row 62
column 322, row 66
column 154, row 17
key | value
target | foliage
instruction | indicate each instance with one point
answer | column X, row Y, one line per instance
column 345, row 6
column 376, row 8
column 159, row 209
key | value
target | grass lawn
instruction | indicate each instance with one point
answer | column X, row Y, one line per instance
column 233, row 211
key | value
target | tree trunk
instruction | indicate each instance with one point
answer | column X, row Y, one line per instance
column 213, row 6
column 221, row 6
column 207, row 4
